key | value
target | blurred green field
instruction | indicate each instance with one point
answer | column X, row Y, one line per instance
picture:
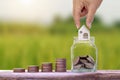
column 23, row 45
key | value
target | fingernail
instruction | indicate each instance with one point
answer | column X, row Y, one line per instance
column 77, row 26
column 89, row 25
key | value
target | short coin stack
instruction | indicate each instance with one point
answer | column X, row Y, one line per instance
column 46, row 67
column 33, row 68
column 60, row 65
column 20, row 70
column 86, row 62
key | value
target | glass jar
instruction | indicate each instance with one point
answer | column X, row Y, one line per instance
column 83, row 55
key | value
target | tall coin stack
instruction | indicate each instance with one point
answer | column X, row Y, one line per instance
column 46, row 67
column 60, row 65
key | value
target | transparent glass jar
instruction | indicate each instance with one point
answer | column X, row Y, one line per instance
column 83, row 55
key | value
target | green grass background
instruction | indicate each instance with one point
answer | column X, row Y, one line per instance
column 23, row 44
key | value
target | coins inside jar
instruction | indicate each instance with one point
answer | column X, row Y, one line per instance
column 83, row 62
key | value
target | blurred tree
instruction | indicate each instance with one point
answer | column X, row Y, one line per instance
column 1, row 28
column 117, row 24
column 63, row 26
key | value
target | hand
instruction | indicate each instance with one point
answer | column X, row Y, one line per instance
column 86, row 8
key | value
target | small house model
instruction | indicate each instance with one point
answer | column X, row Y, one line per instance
column 83, row 33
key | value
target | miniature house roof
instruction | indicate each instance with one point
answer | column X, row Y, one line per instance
column 83, row 33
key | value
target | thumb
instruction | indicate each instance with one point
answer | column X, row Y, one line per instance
column 90, row 16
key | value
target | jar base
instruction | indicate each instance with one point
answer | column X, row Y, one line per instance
column 83, row 70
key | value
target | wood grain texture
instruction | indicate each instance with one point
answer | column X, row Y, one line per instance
column 99, row 75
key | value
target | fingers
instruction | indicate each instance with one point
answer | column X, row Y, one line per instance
column 83, row 12
column 76, row 12
column 85, row 7
column 77, row 18
column 90, row 15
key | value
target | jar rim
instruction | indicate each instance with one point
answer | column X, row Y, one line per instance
column 92, row 38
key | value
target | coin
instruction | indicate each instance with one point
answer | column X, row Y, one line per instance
column 60, row 65
column 91, row 60
column 33, row 68
column 46, row 67
column 83, row 57
column 60, row 70
column 61, row 60
column 89, row 65
column 46, row 70
column 78, row 66
column 76, row 60
column 18, row 70
column 83, row 61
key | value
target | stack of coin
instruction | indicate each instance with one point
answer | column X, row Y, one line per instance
column 33, row 68
column 19, row 70
column 60, row 65
column 46, row 67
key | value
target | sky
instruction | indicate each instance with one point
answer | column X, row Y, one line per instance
column 45, row 10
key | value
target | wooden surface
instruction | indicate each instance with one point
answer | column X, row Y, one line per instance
column 99, row 75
